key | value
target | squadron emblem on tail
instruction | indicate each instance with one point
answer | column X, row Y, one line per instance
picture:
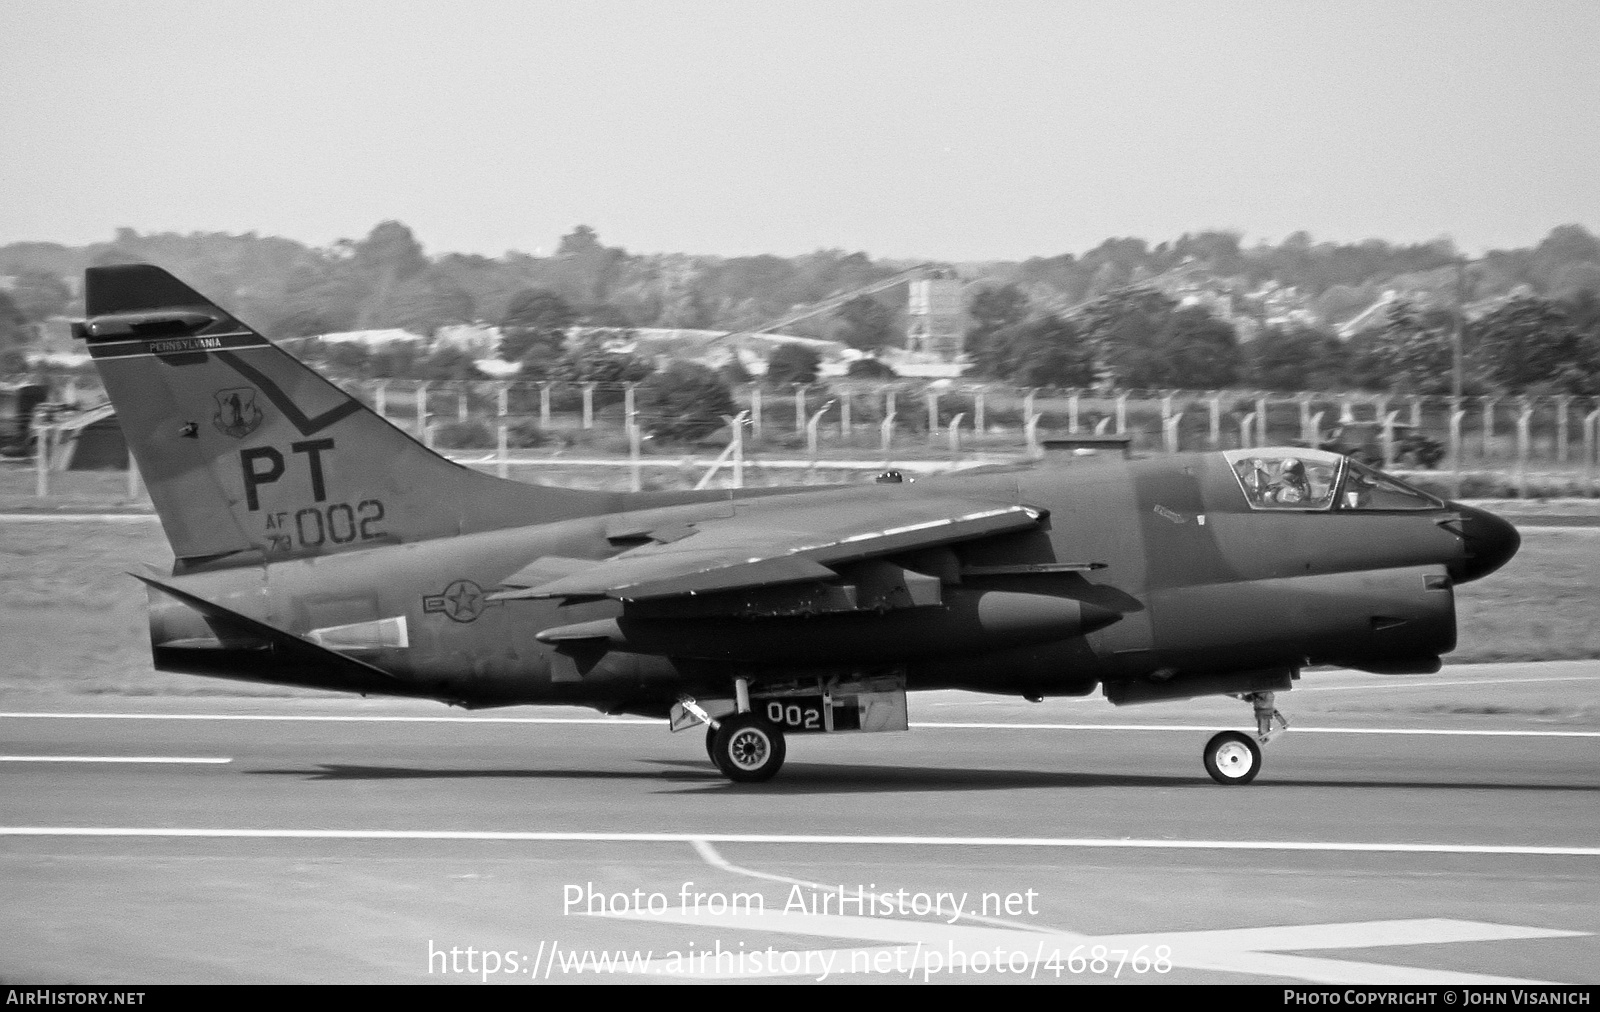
column 237, row 414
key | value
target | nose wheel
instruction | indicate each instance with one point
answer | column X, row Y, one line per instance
column 1233, row 758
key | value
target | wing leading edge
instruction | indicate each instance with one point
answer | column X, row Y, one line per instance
column 781, row 543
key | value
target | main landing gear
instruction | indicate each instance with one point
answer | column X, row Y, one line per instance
column 1234, row 758
column 745, row 747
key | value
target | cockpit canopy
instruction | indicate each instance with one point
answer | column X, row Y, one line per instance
column 1291, row 478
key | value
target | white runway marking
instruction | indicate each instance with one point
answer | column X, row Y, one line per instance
column 1294, row 729
column 1537, row 528
column 924, row 950
column 109, row 759
column 1423, row 685
column 642, row 722
column 1522, row 528
column 710, row 855
column 337, row 718
column 81, row 518
column 513, row 836
column 942, row 947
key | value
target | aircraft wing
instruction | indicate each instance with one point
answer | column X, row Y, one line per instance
column 770, row 542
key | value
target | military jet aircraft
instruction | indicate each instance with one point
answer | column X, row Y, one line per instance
column 318, row 545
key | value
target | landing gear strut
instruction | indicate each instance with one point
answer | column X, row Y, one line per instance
column 1234, row 758
column 745, row 747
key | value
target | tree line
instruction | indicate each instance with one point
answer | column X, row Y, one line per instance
column 1140, row 338
column 1067, row 320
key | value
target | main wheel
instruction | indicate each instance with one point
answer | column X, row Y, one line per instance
column 1232, row 758
column 747, row 749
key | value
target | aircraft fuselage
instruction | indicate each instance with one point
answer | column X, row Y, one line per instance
column 1178, row 580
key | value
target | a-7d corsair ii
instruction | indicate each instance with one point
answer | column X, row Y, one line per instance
column 318, row 545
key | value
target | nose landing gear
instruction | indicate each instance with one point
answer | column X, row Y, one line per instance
column 1233, row 758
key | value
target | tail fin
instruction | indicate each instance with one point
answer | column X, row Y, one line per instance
column 252, row 457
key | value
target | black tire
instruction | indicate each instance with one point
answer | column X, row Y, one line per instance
column 711, row 745
column 747, row 749
column 1232, row 758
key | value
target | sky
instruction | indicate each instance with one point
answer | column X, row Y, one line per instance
column 941, row 130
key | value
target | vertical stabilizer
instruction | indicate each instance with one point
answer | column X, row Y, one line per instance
column 250, row 456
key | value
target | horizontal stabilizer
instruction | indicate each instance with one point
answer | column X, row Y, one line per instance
column 271, row 636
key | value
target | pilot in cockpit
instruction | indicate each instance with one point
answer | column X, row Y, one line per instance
column 1286, row 482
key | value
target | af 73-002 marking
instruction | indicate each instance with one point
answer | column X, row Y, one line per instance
column 359, row 560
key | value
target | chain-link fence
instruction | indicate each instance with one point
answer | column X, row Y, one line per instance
column 1404, row 432
column 1543, row 443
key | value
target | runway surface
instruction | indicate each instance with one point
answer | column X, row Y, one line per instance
column 293, row 840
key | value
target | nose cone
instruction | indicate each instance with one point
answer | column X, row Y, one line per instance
column 1488, row 543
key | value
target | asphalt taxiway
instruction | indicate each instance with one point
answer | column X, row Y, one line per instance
column 1439, row 829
